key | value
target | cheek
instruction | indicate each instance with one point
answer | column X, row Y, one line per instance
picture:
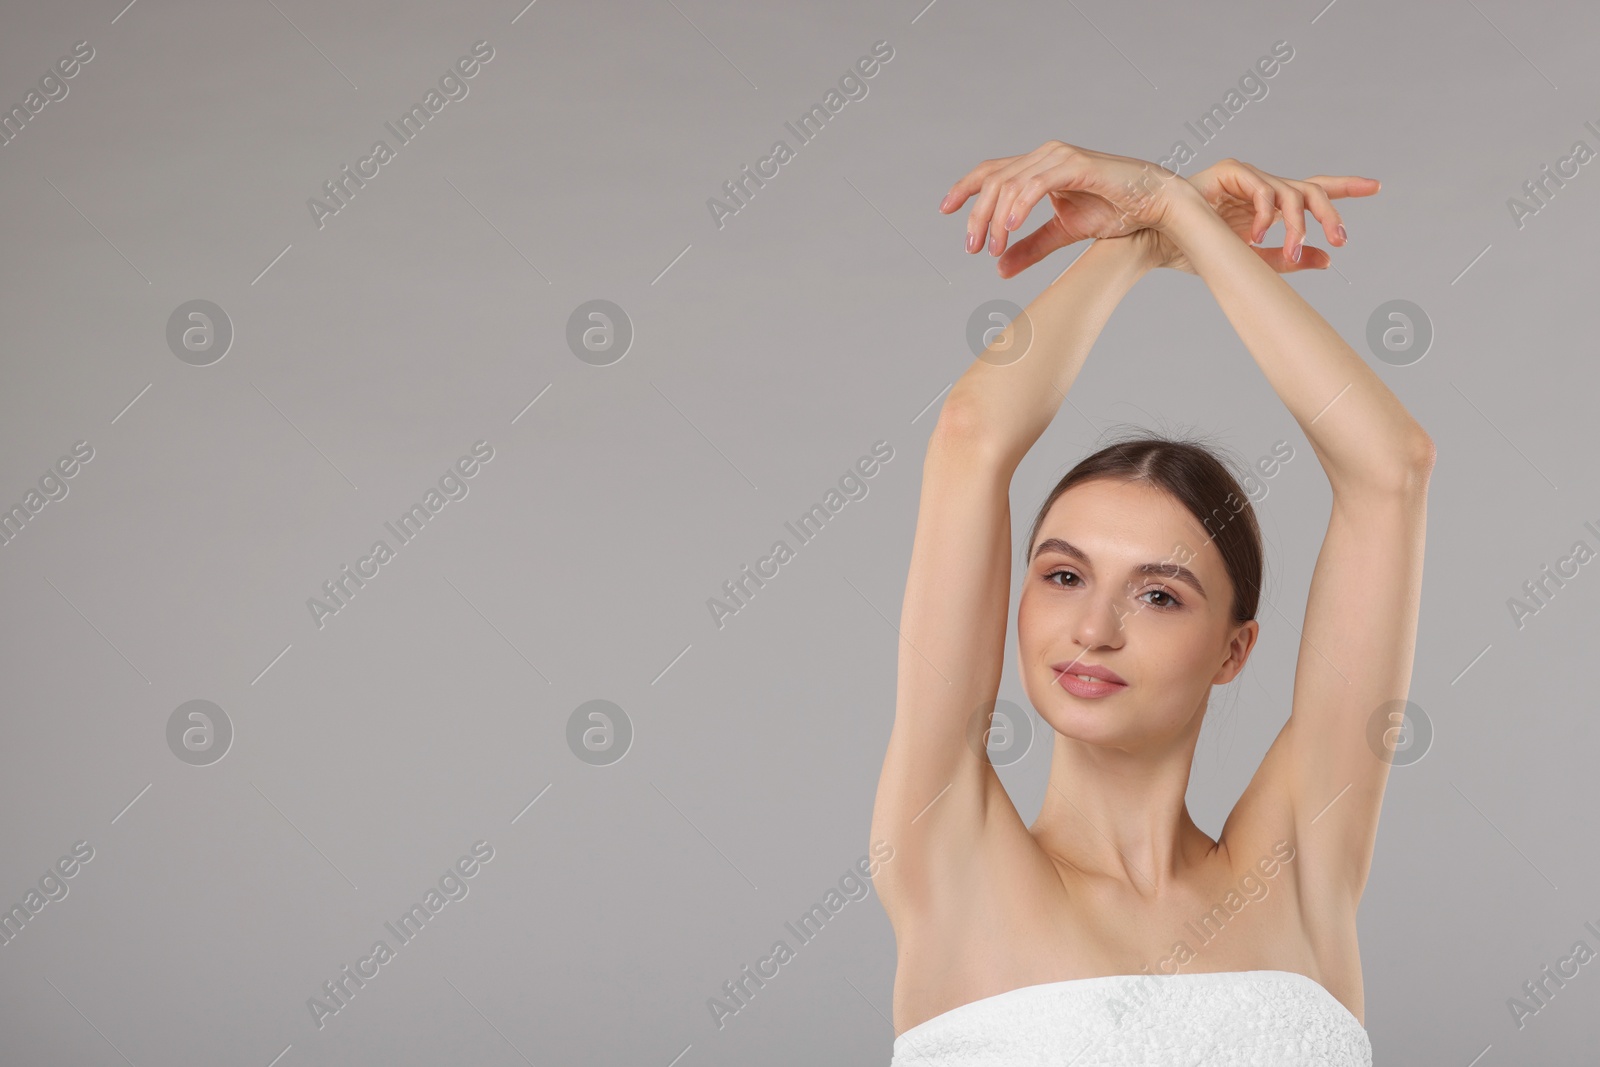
column 1025, row 615
column 1033, row 638
column 1036, row 623
column 1191, row 653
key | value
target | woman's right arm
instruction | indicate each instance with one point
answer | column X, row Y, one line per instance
column 938, row 796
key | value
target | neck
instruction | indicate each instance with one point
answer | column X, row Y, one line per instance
column 1120, row 814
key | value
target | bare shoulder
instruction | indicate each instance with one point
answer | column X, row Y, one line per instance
column 1262, row 824
column 1261, row 840
column 984, row 932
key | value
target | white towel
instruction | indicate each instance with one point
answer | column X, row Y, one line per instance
column 1216, row 1018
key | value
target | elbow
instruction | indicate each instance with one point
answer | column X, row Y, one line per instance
column 959, row 418
column 964, row 429
column 1421, row 457
column 1427, row 453
column 1412, row 473
column 1403, row 469
column 967, row 414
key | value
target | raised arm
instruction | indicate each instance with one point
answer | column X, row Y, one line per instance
column 939, row 802
column 1321, row 780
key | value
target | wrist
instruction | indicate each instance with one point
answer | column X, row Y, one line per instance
column 1151, row 251
column 1187, row 213
column 1132, row 255
column 1183, row 204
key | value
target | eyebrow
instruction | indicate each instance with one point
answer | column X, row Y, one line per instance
column 1174, row 571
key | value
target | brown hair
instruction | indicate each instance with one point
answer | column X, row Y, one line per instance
column 1198, row 478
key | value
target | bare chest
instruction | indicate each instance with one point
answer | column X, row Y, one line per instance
column 1035, row 927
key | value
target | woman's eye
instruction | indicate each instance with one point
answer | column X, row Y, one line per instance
column 1167, row 599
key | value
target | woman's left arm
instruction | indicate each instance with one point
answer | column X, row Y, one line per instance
column 1360, row 625
column 1374, row 441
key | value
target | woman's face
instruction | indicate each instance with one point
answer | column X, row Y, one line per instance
column 1125, row 578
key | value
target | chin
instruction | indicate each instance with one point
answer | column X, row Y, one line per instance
column 1081, row 720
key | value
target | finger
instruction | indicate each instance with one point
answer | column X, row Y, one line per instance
column 982, row 221
column 1031, row 249
column 1245, row 183
column 1008, row 212
column 970, row 183
column 1322, row 209
column 978, row 216
column 1292, row 206
column 1007, row 215
column 1311, row 258
column 1037, row 182
column 1265, row 201
column 1314, row 258
column 1286, row 202
column 1338, row 186
column 1274, row 258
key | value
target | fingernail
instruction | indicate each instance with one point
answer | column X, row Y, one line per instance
column 994, row 245
column 1011, row 221
column 945, row 203
column 973, row 241
column 1295, row 255
column 1342, row 235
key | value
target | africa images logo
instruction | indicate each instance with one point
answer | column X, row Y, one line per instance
column 811, row 123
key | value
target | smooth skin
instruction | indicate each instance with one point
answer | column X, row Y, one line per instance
column 1113, row 868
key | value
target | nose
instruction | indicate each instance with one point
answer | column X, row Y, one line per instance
column 1100, row 624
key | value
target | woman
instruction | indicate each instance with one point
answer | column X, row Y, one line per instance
column 1114, row 930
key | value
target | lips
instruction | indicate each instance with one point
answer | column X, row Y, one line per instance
column 1101, row 681
column 1104, row 674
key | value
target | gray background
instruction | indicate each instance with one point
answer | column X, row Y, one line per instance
column 769, row 355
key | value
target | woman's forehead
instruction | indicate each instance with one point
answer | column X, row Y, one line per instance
column 1124, row 520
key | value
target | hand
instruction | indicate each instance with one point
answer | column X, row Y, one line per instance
column 1094, row 195
column 1249, row 200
